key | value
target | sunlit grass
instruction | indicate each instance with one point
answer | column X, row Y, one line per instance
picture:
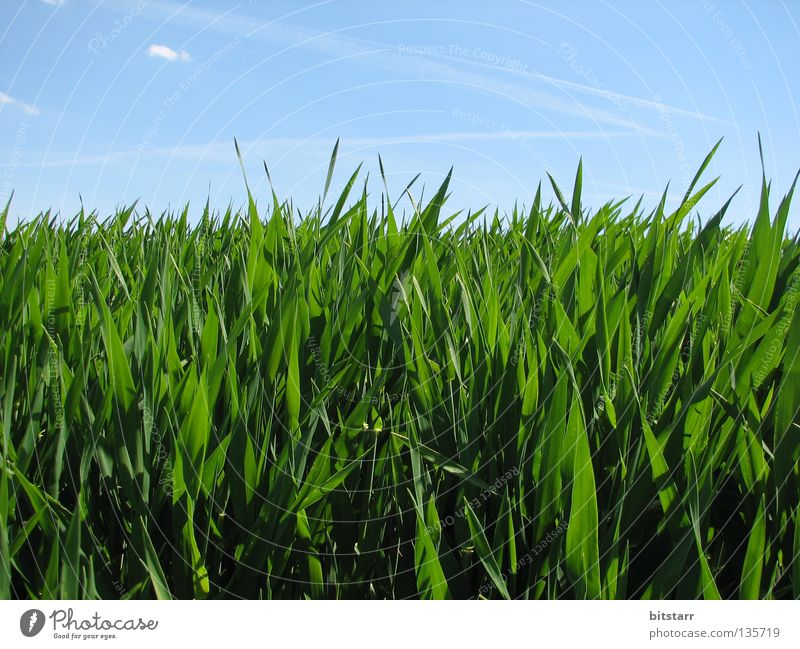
column 559, row 403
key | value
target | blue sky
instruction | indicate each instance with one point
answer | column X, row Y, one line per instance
column 117, row 100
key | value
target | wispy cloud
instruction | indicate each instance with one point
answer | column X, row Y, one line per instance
column 388, row 58
column 164, row 52
column 8, row 100
column 54, row 3
column 266, row 147
column 604, row 93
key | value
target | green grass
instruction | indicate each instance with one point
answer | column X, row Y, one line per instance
column 561, row 403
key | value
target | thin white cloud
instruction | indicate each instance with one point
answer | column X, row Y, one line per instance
column 164, row 52
column 601, row 91
column 8, row 100
column 54, row 3
column 336, row 45
column 224, row 152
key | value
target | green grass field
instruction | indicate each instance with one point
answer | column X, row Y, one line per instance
column 560, row 403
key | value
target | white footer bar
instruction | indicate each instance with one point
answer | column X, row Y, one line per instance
column 400, row 624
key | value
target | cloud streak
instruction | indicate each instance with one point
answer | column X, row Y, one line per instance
column 390, row 59
column 224, row 151
column 8, row 100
